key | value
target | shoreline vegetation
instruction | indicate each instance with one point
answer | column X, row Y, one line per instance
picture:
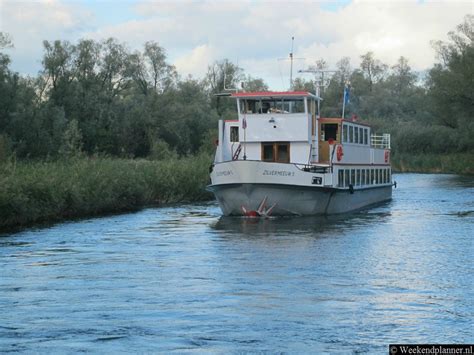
column 32, row 193
column 40, row 192
column 457, row 163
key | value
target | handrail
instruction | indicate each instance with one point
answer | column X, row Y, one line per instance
column 380, row 141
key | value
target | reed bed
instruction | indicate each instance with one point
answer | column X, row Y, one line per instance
column 457, row 163
column 32, row 192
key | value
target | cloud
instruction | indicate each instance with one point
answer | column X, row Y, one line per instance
column 31, row 22
column 196, row 61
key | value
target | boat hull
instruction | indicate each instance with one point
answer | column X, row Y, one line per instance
column 285, row 200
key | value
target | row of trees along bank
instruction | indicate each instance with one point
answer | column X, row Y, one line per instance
column 101, row 98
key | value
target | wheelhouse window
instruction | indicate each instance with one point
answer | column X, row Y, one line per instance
column 275, row 106
column 366, row 134
column 234, row 134
column 344, row 133
column 276, row 152
column 351, row 134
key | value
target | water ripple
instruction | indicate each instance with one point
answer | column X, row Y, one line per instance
column 184, row 279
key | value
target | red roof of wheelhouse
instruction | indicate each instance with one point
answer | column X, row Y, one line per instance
column 274, row 94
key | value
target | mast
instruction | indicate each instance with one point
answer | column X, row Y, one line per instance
column 291, row 63
column 319, row 82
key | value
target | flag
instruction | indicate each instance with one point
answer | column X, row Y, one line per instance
column 244, row 123
column 347, row 90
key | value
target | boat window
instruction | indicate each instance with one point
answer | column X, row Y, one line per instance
column 372, row 177
column 361, row 135
column 356, row 134
column 346, row 177
column 351, row 134
column 344, row 133
column 389, row 179
column 234, row 134
column 276, row 152
column 274, row 106
column 366, row 134
column 283, row 153
column 353, row 176
column 363, row 177
column 340, row 178
column 358, row 177
column 267, row 152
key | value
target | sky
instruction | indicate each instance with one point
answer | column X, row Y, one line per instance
column 256, row 35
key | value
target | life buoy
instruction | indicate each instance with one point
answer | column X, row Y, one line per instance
column 339, row 152
column 387, row 156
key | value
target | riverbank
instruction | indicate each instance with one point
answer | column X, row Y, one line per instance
column 459, row 163
column 35, row 192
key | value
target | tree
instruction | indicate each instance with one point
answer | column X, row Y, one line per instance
column 450, row 83
column 373, row 69
column 251, row 84
column 223, row 76
column 402, row 77
column 150, row 70
column 71, row 145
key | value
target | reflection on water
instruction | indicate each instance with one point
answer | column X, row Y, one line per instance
column 186, row 279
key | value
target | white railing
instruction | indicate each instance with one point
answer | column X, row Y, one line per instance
column 380, row 141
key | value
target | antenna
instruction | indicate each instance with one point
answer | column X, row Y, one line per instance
column 319, row 81
column 291, row 63
column 228, row 89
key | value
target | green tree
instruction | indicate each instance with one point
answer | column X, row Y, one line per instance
column 251, row 84
column 373, row 69
column 451, row 82
column 223, row 77
column 71, row 145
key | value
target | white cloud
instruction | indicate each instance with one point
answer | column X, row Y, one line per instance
column 196, row 61
column 31, row 22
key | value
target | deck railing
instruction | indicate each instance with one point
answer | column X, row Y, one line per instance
column 380, row 141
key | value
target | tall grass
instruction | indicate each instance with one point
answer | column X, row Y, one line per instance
column 46, row 191
column 458, row 163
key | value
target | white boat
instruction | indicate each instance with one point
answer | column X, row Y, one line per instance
column 281, row 158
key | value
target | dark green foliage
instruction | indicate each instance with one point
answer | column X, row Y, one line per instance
column 42, row 191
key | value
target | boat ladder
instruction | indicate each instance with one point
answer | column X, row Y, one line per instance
column 237, row 152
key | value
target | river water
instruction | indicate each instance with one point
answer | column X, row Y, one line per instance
column 185, row 279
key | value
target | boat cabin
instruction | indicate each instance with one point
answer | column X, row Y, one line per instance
column 284, row 127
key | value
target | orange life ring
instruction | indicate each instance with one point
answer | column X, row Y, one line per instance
column 387, row 156
column 339, row 152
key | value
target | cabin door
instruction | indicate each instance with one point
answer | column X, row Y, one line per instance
column 328, row 132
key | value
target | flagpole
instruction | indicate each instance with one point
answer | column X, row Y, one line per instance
column 343, row 102
column 345, row 97
column 244, row 124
